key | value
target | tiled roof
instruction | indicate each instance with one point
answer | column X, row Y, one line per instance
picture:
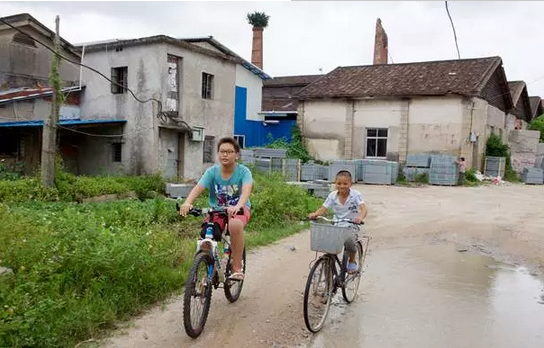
column 463, row 77
column 516, row 87
column 302, row 80
column 536, row 106
column 279, row 93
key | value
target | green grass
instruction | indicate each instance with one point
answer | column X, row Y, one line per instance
column 79, row 268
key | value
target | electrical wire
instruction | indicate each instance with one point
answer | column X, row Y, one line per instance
column 453, row 27
column 160, row 114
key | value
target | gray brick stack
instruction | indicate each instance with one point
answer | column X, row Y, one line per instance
column 495, row 166
column 533, row 176
column 443, row 171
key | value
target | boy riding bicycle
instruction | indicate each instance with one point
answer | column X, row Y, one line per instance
column 346, row 204
column 229, row 185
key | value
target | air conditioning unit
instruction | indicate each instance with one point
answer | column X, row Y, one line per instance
column 197, row 134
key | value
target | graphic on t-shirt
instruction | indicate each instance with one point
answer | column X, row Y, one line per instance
column 227, row 195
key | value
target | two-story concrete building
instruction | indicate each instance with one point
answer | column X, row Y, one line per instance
column 195, row 88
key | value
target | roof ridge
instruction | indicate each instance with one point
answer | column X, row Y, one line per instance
column 419, row 63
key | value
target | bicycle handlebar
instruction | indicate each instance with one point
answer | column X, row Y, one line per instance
column 337, row 220
column 204, row 211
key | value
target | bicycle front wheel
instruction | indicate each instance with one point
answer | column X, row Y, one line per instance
column 352, row 280
column 198, row 295
column 233, row 288
column 318, row 294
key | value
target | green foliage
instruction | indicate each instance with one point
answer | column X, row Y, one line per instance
column 422, row 178
column 11, row 171
column 538, row 124
column 495, row 147
column 79, row 268
column 470, row 175
column 295, row 149
column 71, row 188
column 258, row 19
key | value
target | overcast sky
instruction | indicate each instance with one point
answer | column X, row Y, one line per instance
column 303, row 37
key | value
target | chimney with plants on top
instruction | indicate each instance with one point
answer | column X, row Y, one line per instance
column 259, row 21
column 380, row 44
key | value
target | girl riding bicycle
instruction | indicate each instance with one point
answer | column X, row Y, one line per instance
column 346, row 203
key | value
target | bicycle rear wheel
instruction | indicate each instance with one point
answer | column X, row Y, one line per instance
column 233, row 288
column 198, row 295
column 352, row 280
column 318, row 294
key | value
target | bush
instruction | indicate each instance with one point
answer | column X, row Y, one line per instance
column 70, row 188
column 470, row 175
column 422, row 178
column 538, row 124
column 295, row 149
column 495, row 147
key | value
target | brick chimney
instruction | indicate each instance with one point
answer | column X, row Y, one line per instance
column 257, row 49
column 380, row 44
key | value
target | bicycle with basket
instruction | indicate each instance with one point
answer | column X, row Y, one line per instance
column 208, row 272
column 328, row 273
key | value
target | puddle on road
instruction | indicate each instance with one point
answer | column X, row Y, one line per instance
column 434, row 296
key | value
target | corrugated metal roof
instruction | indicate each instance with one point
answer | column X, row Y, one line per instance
column 17, row 94
column 39, row 123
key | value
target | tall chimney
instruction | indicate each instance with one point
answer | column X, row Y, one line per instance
column 257, row 49
column 380, row 44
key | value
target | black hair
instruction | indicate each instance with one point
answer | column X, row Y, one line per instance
column 344, row 173
column 231, row 141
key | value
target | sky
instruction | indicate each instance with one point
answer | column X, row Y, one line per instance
column 307, row 37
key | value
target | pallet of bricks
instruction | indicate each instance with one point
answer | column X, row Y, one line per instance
column 378, row 172
column 443, row 171
column 416, row 166
column 494, row 166
column 311, row 171
column 272, row 160
column 533, row 176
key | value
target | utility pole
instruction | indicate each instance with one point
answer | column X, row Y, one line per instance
column 49, row 135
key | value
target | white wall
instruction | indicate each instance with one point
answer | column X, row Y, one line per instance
column 254, row 86
column 377, row 114
column 435, row 125
column 323, row 127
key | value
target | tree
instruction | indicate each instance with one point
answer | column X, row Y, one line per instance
column 258, row 19
column 538, row 124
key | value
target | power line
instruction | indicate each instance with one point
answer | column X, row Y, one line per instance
column 453, row 27
column 160, row 114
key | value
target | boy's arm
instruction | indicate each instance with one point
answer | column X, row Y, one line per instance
column 319, row 212
column 246, row 191
column 195, row 192
column 362, row 213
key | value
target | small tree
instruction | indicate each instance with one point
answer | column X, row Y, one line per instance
column 538, row 125
column 258, row 19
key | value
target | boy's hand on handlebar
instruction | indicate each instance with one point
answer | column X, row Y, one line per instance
column 184, row 209
column 358, row 220
column 312, row 216
column 232, row 211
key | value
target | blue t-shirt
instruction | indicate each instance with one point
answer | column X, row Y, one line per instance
column 226, row 192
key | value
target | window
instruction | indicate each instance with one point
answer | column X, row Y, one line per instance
column 376, row 142
column 173, row 83
column 241, row 139
column 119, row 80
column 207, row 85
column 116, row 152
column 208, row 149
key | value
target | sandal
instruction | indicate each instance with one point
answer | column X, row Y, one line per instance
column 237, row 276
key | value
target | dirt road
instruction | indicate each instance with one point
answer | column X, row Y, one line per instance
column 430, row 280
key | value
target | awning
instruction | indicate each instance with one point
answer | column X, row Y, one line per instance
column 39, row 123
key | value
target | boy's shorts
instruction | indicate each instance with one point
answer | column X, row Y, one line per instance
column 221, row 221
